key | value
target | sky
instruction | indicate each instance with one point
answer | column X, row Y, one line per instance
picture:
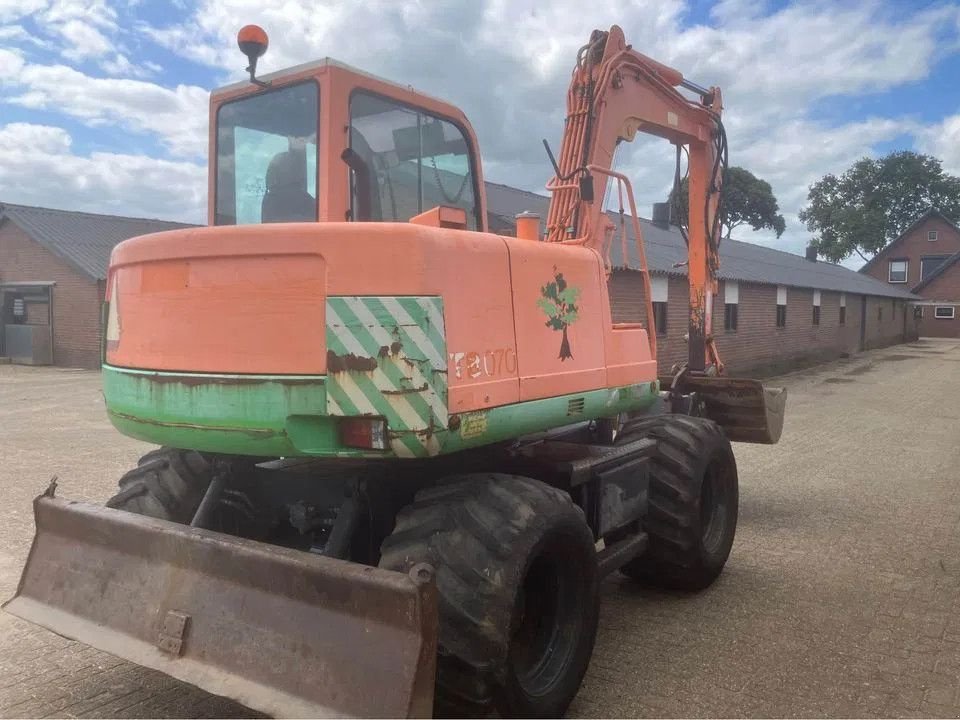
column 103, row 103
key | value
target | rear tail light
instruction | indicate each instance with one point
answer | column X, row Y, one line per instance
column 362, row 432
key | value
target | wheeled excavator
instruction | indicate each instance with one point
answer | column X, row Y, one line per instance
column 398, row 452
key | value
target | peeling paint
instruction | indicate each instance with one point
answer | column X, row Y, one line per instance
column 259, row 433
column 342, row 363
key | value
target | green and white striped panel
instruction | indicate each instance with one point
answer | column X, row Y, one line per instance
column 387, row 356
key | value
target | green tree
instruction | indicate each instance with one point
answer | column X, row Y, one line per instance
column 558, row 301
column 874, row 201
column 748, row 200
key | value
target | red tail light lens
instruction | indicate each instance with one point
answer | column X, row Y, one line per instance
column 362, row 432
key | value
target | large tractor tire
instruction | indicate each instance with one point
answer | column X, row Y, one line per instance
column 169, row 484
column 517, row 575
column 693, row 503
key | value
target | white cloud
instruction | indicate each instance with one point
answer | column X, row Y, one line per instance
column 120, row 65
column 85, row 41
column 40, row 168
column 11, row 62
column 11, row 10
column 943, row 141
column 96, row 12
column 18, row 34
column 507, row 65
column 177, row 116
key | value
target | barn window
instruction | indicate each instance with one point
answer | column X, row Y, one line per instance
column 930, row 263
column 781, row 306
column 731, row 300
column 660, row 318
column 658, row 294
column 898, row 271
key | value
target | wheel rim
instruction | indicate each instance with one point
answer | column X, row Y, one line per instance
column 544, row 630
column 714, row 507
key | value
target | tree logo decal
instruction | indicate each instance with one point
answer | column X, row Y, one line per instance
column 559, row 303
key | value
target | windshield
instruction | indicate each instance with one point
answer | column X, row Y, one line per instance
column 267, row 157
column 406, row 161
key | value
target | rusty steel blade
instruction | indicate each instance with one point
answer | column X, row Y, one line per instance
column 745, row 409
column 282, row 631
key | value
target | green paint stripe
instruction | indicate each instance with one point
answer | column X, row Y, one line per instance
column 416, row 399
column 410, row 347
column 342, row 399
column 349, row 335
column 413, row 347
column 512, row 421
column 379, row 309
column 412, row 443
column 375, row 398
column 415, row 311
column 358, row 330
column 393, row 374
column 271, row 419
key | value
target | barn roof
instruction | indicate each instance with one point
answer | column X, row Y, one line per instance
column 85, row 240
column 741, row 261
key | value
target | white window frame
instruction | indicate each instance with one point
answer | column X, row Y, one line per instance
column 731, row 292
column 816, row 298
column 906, row 271
column 659, row 288
column 781, row 294
column 843, row 299
column 938, row 308
column 931, row 235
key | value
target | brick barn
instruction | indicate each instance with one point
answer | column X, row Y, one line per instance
column 926, row 259
column 53, row 266
column 774, row 311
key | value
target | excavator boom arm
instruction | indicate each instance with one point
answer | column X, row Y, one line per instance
column 614, row 93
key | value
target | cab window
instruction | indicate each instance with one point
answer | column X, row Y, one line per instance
column 267, row 157
column 405, row 161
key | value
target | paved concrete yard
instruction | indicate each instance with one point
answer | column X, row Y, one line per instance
column 841, row 597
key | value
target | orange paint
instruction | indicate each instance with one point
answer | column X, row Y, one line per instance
column 250, row 299
column 442, row 216
column 524, row 319
column 253, row 34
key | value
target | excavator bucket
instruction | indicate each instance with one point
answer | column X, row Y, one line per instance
column 282, row 631
column 745, row 409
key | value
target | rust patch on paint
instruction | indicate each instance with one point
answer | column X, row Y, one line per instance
column 407, row 391
column 342, row 363
column 258, row 433
column 194, row 381
column 388, row 350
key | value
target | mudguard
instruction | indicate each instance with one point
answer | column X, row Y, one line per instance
column 286, row 632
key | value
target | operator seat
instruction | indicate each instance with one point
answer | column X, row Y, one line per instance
column 286, row 198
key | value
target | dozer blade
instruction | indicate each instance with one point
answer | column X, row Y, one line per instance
column 282, row 631
column 745, row 409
